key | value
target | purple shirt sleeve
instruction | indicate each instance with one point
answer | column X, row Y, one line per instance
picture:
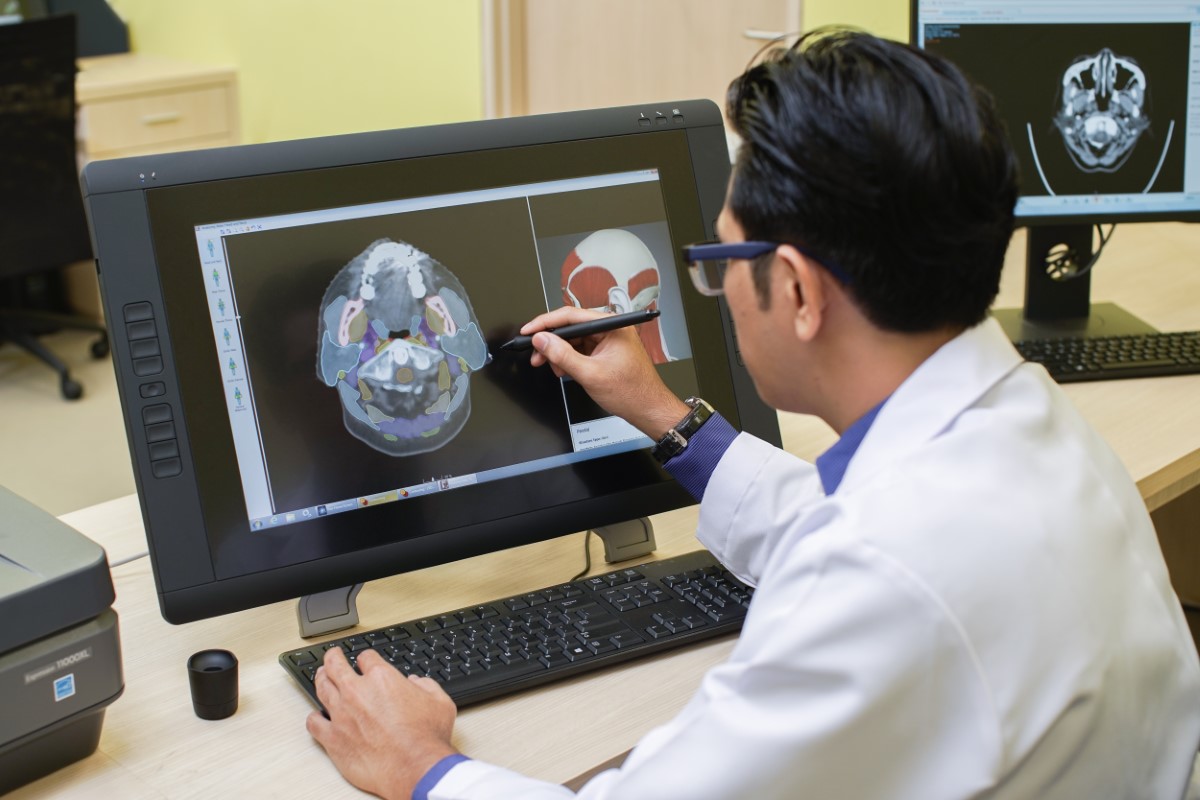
column 436, row 773
column 695, row 464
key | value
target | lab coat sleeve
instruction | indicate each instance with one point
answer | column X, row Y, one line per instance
column 836, row 688
column 754, row 487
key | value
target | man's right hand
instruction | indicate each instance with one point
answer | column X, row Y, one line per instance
column 612, row 367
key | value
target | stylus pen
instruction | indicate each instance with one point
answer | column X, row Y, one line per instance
column 581, row 329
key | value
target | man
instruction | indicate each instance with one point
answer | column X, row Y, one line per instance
column 964, row 597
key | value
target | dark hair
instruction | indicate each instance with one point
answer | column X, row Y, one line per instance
column 887, row 161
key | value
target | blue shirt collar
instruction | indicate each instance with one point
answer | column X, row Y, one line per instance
column 832, row 464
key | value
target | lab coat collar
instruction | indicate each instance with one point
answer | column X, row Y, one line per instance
column 929, row 400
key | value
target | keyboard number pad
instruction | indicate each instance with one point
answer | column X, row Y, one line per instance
column 713, row 592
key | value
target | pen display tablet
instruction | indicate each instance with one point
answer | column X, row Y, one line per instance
column 333, row 330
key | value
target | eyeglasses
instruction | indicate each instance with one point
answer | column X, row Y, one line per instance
column 707, row 262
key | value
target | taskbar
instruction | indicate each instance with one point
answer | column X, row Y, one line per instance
column 635, row 441
column 355, row 503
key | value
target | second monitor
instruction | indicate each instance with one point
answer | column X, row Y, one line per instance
column 1101, row 102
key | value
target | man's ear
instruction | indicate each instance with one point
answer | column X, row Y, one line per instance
column 801, row 291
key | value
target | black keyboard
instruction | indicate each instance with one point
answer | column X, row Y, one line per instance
column 1098, row 358
column 530, row 639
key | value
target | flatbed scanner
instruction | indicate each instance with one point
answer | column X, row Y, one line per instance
column 60, row 656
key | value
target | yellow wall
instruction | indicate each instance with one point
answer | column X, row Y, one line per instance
column 888, row 18
column 316, row 67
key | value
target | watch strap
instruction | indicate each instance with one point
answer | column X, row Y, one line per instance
column 675, row 440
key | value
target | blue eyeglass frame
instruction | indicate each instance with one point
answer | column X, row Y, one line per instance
column 713, row 251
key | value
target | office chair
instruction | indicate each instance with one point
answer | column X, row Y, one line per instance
column 42, row 223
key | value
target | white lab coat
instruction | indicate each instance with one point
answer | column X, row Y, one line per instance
column 981, row 609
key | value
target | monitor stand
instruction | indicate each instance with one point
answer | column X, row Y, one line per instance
column 326, row 612
column 336, row 610
column 1057, row 307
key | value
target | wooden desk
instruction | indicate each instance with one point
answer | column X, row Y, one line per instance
column 153, row 745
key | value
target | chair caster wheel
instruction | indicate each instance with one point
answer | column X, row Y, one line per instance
column 100, row 348
column 71, row 390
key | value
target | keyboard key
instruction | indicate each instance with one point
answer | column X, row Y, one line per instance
column 658, row 631
column 488, row 650
column 515, row 657
column 623, row 640
column 597, row 629
column 550, row 647
column 553, row 660
column 577, row 653
column 581, row 606
column 599, row 646
column 302, row 658
column 504, row 671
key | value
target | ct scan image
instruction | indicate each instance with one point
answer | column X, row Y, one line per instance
column 1090, row 109
column 398, row 340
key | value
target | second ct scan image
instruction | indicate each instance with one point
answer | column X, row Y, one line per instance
column 1090, row 109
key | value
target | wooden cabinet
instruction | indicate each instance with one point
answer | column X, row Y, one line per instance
column 133, row 104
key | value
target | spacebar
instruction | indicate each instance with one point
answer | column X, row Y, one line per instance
column 1155, row 362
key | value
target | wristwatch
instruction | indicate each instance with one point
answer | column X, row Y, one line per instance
column 675, row 440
